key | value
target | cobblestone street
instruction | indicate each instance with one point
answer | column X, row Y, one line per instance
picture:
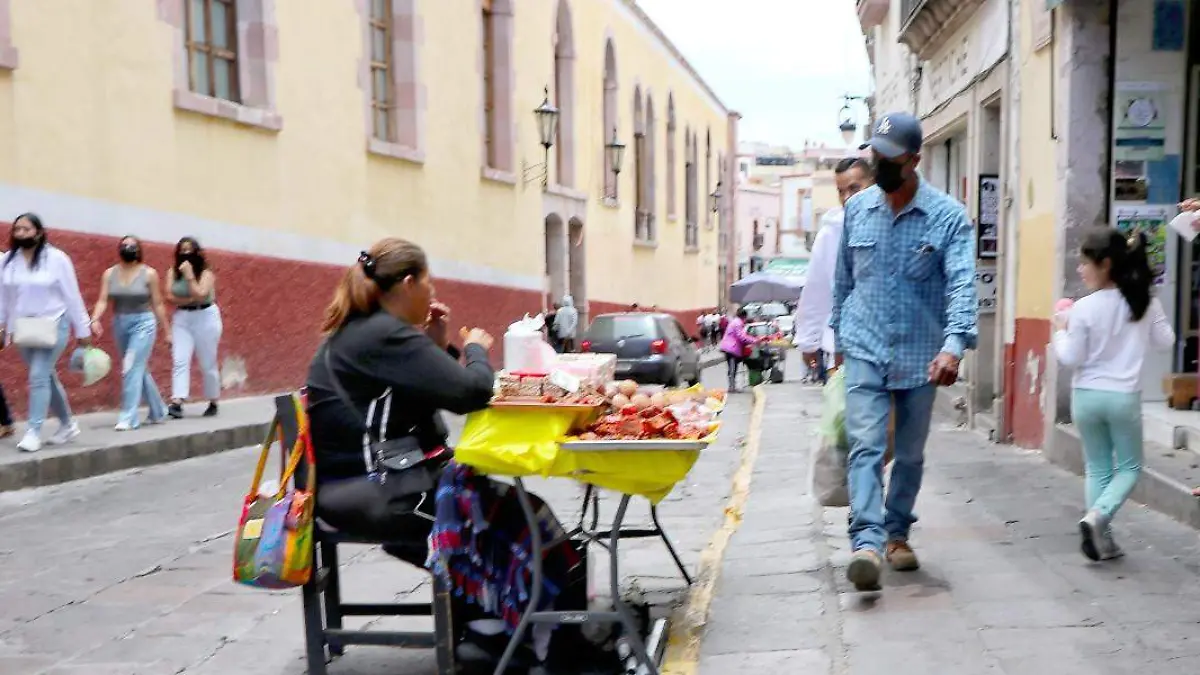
column 128, row 574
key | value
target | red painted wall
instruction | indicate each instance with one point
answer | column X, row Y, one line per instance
column 1026, row 420
column 271, row 310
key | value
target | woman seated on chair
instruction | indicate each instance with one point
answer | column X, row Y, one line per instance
column 389, row 352
column 384, row 372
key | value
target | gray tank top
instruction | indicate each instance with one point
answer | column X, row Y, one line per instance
column 131, row 298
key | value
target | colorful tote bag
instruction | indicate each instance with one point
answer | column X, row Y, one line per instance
column 274, row 546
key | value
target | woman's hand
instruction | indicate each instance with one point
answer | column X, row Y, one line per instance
column 97, row 328
column 1062, row 320
column 477, row 336
column 1189, row 205
column 185, row 269
column 437, row 326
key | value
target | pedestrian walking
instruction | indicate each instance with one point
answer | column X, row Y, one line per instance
column 904, row 311
column 814, row 338
column 566, row 325
column 195, row 326
column 736, row 345
column 551, row 331
column 132, row 287
column 1105, row 337
column 40, row 308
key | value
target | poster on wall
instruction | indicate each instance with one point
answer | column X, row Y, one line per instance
column 1141, row 133
column 985, row 287
column 1151, row 220
column 988, row 244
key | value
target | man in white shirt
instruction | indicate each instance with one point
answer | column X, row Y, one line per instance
column 814, row 337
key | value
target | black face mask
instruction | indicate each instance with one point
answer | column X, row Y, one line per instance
column 188, row 258
column 128, row 253
column 25, row 242
column 889, row 175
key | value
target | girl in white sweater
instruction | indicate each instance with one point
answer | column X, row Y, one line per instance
column 1105, row 339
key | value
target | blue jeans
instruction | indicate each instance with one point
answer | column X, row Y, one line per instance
column 1110, row 425
column 45, row 390
column 134, row 335
column 869, row 402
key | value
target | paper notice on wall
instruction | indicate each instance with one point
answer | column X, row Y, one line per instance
column 1150, row 220
column 1141, row 121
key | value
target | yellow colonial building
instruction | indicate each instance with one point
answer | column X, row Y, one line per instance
column 287, row 136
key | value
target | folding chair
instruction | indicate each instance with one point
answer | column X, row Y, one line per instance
column 324, row 636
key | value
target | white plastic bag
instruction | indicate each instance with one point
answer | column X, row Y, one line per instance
column 831, row 454
column 525, row 350
column 94, row 363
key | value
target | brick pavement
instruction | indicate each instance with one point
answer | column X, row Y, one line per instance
column 1003, row 590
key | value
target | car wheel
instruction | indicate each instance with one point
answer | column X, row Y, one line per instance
column 675, row 378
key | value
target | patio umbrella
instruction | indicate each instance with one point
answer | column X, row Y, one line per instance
column 765, row 287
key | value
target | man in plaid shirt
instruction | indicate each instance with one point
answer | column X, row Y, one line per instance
column 905, row 310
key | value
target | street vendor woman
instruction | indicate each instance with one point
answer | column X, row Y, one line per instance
column 383, row 373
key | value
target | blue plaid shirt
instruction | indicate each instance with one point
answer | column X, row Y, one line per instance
column 905, row 284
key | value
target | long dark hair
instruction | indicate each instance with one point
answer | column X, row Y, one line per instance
column 199, row 262
column 36, row 222
column 386, row 264
column 1129, row 268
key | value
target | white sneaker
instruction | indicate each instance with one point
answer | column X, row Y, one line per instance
column 65, row 434
column 31, row 442
column 123, row 426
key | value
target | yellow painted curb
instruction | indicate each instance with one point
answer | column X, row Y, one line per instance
column 687, row 628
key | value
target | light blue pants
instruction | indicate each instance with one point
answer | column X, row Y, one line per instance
column 869, row 403
column 45, row 390
column 1110, row 424
column 134, row 335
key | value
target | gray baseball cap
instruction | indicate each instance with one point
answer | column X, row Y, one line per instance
column 895, row 134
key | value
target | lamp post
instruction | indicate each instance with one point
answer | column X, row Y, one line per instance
column 616, row 154
column 714, row 199
column 546, row 116
column 847, row 119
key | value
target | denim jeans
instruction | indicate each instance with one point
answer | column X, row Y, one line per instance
column 869, row 403
column 45, row 390
column 134, row 335
column 196, row 332
column 1110, row 425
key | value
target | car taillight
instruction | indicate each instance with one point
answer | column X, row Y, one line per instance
column 585, row 346
column 658, row 347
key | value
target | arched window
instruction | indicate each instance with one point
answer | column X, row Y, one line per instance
column 691, row 234
column 672, row 179
column 496, row 29
column 609, row 128
column 708, row 182
column 651, row 202
column 564, row 95
column 640, row 225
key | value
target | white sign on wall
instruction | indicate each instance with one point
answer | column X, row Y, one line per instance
column 985, row 288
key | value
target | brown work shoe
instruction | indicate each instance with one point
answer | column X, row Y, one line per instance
column 901, row 556
column 864, row 570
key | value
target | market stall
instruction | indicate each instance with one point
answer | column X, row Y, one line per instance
column 568, row 419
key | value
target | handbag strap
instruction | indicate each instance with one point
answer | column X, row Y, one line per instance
column 272, row 430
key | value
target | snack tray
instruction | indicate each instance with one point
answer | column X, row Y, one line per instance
column 537, row 404
column 656, row 445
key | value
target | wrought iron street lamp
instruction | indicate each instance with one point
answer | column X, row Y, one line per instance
column 616, row 153
column 546, row 116
column 714, row 200
column 847, row 119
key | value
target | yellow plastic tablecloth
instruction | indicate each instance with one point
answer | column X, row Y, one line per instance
column 520, row 442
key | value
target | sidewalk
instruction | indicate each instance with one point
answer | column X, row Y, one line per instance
column 1003, row 589
column 100, row 449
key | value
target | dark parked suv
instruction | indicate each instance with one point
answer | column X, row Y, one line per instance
column 650, row 348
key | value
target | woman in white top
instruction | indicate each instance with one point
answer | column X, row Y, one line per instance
column 1105, row 338
column 40, row 307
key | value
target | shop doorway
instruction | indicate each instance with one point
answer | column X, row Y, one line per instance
column 557, row 264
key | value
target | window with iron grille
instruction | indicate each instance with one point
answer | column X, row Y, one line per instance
column 212, row 48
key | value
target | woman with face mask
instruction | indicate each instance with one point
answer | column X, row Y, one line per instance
column 196, row 326
column 132, row 288
column 40, row 308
